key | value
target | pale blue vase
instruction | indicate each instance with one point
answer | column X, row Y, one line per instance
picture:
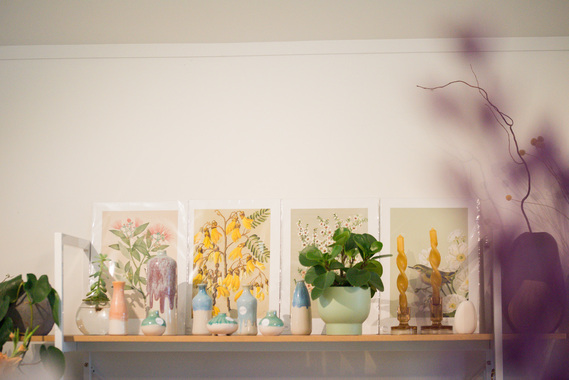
column 247, row 312
column 202, row 305
column 301, row 312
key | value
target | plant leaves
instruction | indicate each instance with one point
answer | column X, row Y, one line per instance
column 315, row 293
column 124, row 251
column 55, row 303
column 376, row 246
column 52, row 360
column 134, row 254
column 324, row 280
column 140, row 246
column 10, row 287
column 258, row 248
column 38, row 289
column 336, row 250
column 259, row 217
column 358, row 277
column 6, row 328
column 140, row 229
column 159, row 248
column 4, row 305
column 341, row 236
column 375, row 281
column 116, row 247
column 335, row 264
column 313, row 272
column 119, row 233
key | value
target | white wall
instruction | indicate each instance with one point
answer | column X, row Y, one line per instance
column 85, row 124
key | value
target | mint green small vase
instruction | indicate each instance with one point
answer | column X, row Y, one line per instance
column 271, row 324
column 153, row 324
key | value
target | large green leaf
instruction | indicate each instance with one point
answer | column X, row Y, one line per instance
column 4, row 305
column 341, row 235
column 358, row 277
column 119, row 233
column 315, row 293
column 375, row 266
column 6, row 327
column 39, row 289
column 325, row 280
column 336, row 250
column 55, row 303
column 305, row 260
column 376, row 246
column 313, row 253
column 10, row 287
column 53, row 361
column 335, row 264
column 313, row 272
column 375, row 281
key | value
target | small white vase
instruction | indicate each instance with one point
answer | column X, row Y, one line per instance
column 465, row 320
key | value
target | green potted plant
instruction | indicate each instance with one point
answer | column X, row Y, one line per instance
column 23, row 308
column 344, row 279
column 92, row 317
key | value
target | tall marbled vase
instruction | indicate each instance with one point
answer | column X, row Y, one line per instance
column 301, row 312
column 202, row 305
column 247, row 312
column 162, row 285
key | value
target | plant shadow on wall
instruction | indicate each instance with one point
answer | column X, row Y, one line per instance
column 536, row 179
column 227, row 253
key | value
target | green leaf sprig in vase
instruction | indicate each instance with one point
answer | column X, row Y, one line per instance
column 98, row 291
column 351, row 261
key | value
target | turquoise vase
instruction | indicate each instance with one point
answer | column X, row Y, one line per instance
column 247, row 312
column 301, row 313
column 153, row 324
column 202, row 305
column 271, row 324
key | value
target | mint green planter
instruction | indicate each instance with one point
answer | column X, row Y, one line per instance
column 344, row 309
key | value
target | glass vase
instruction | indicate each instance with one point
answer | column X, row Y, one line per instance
column 93, row 318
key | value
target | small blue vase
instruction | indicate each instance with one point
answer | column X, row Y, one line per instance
column 202, row 305
column 301, row 312
column 247, row 312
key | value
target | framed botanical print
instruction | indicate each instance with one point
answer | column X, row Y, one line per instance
column 236, row 243
column 130, row 234
column 307, row 222
column 455, row 224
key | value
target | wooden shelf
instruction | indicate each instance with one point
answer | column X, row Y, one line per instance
column 180, row 343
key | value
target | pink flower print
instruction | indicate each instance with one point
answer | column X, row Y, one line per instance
column 160, row 233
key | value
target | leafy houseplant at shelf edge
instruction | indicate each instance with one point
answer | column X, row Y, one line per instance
column 344, row 279
column 37, row 294
column 92, row 317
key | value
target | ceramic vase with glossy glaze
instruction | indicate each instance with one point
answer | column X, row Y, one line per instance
column 301, row 312
column 162, row 286
column 344, row 309
column 247, row 312
column 202, row 305
column 118, row 316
